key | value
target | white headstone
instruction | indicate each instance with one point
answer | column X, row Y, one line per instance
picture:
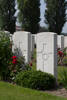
column 60, row 41
column 22, row 41
column 65, row 41
column 32, row 43
column 47, row 52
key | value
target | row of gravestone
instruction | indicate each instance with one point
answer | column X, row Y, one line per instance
column 46, row 43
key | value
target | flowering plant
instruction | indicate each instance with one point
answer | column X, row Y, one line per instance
column 17, row 65
column 14, row 60
column 60, row 56
column 60, row 53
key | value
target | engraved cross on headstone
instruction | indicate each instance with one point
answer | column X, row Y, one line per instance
column 45, row 54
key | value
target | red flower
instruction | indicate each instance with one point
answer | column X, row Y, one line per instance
column 14, row 57
column 14, row 61
column 60, row 53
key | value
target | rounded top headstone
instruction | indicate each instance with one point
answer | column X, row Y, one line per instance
column 46, row 33
column 19, row 32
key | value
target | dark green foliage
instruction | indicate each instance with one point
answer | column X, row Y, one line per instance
column 36, row 80
column 29, row 14
column 55, row 15
column 7, row 12
column 5, row 54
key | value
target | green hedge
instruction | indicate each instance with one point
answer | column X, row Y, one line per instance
column 36, row 80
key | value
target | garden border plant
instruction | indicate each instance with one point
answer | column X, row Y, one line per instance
column 10, row 63
column 5, row 54
column 36, row 80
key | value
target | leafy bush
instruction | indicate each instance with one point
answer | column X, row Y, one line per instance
column 35, row 80
column 62, row 77
column 5, row 54
column 65, row 61
column 17, row 65
column 60, row 55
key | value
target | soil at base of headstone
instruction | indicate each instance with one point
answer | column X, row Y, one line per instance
column 58, row 92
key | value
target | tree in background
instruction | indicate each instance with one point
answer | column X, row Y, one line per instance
column 55, row 15
column 7, row 12
column 43, row 29
column 29, row 15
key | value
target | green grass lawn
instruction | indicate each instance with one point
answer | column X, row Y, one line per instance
column 12, row 92
column 61, row 68
column 62, row 75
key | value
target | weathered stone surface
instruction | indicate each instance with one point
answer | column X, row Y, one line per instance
column 65, row 41
column 22, row 41
column 32, row 43
column 47, row 52
column 60, row 41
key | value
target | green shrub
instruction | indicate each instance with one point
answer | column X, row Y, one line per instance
column 10, row 67
column 62, row 77
column 5, row 54
column 17, row 65
column 35, row 80
column 65, row 61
